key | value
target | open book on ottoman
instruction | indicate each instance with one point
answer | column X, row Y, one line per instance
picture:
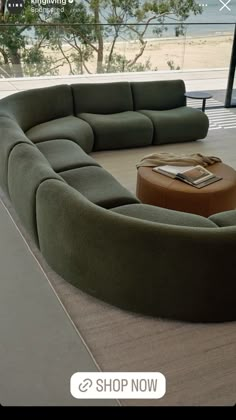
column 197, row 176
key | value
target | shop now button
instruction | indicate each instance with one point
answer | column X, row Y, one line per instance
column 129, row 385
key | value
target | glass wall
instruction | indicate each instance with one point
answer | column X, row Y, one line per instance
column 62, row 50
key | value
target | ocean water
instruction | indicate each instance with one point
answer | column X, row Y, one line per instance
column 211, row 22
column 213, row 12
column 214, row 20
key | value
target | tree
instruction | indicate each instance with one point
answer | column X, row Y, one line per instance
column 23, row 48
column 113, row 20
column 86, row 31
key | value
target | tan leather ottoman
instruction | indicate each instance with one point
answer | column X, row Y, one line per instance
column 163, row 191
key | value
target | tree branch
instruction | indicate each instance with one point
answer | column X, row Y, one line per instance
column 138, row 55
column 22, row 29
column 38, row 46
column 66, row 58
column 86, row 40
column 5, row 56
column 86, row 68
column 147, row 24
column 50, row 69
column 112, row 48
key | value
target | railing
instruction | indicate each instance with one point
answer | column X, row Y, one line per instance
column 51, row 49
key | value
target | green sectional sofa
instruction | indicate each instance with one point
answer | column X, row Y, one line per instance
column 91, row 229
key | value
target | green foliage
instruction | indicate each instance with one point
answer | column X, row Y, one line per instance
column 119, row 64
column 172, row 66
column 38, row 63
column 15, row 41
column 82, row 38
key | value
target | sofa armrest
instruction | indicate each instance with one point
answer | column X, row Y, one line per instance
column 146, row 267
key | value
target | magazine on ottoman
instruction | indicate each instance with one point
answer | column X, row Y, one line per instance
column 197, row 176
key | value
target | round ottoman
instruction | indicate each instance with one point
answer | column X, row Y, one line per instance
column 163, row 191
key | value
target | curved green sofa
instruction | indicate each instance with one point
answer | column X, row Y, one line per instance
column 91, row 229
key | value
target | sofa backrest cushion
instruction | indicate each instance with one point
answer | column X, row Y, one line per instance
column 27, row 169
column 37, row 106
column 158, row 95
column 102, row 98
column 10, row 135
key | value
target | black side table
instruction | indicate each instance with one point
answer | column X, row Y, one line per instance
column 199, row 95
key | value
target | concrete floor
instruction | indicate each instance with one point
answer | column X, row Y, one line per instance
column 215, row 79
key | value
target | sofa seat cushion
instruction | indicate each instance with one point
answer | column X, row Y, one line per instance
column 70, row 128
column 178, row 125
column 161, row 215
column 121, row 130
column 224, row 219
column 65, row 154
column 98, row 186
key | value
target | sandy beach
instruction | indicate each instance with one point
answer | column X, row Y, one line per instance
column 181, row 53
